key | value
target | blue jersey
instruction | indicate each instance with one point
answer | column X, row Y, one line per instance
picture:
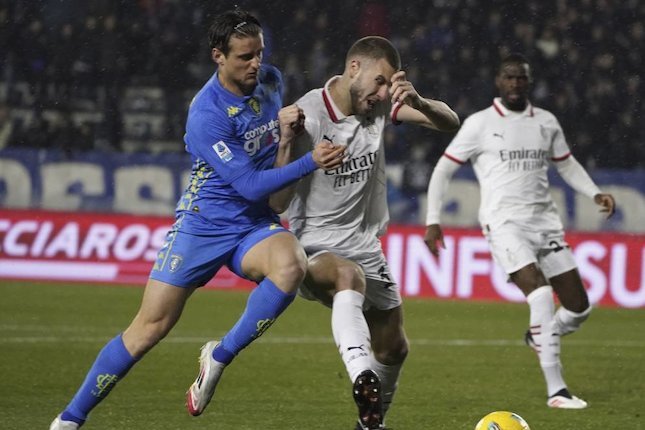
column 228, row 137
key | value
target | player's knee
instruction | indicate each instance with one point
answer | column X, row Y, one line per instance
column 394, row 353
column 579, row 303
column 290, row 272
column 141, row 338
column 567, row 321
column 528, row 278
column 350, row 276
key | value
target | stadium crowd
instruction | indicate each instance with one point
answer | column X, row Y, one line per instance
column 118, row 75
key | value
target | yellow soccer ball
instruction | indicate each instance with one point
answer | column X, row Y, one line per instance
column 502, row 420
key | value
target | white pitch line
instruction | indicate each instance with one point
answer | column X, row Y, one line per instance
column 312, row 340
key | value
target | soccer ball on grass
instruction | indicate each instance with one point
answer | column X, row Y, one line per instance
column 502, row 420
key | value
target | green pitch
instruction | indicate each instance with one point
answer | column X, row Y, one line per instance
column 466, row 360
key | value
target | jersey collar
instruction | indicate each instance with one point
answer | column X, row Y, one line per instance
column 228, row 96
column 503, row 111
column 334, row 113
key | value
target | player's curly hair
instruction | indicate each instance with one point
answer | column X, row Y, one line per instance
column 237, row 22
column 376, row 47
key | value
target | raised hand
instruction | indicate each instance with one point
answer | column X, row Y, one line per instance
column 292, row 123
column 402, row 91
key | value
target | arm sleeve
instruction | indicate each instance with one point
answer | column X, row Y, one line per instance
column 466, row 142
column 438, row 186
column 576, row 176
column 212, row 140
column 257, row 185
column 559, row 147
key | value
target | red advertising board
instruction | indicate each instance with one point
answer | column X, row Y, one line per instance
column 112, row 248
column 612, row 265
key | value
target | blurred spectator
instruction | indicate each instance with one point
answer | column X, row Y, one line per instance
column 63, row 51
column 83, row 56
column 36, row 134
column 33, row 57
column 373, row 19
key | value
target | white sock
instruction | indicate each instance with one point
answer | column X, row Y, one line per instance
column 547, row 341
column 351, row 333
column 567, row 321
column 389, row 375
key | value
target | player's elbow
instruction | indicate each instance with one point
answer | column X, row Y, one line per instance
column 452, row 123
column 252, row 195
column 278, row 207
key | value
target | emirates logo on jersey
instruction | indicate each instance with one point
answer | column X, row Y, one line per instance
column 524, row 160
column 353, row 171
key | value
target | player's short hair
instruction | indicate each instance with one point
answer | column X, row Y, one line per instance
column 232, row 23
column 512, row 58
column 375, row 47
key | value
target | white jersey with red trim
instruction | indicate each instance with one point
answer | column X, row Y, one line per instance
column 349, row 201
column 510, row 153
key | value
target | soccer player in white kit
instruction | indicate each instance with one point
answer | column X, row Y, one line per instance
column 338, row 216
column 510, row 145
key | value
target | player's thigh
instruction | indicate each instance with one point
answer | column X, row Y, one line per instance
column 389, row 341
column 555, row 256
column 559, row 265
column 163, row 301
column 278, row 256
column 512, row 247
column 328, row 271
column 160, row 309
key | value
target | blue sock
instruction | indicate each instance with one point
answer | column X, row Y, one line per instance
column 112, row 363
column 266, row 302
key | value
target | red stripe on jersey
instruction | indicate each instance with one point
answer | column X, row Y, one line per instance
column 499, row 111
column 394, row 113
column 330, row 109
column 455, row 159
column 564, row 157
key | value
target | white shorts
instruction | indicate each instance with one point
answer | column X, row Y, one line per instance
column 514, row 247
column 381, row 291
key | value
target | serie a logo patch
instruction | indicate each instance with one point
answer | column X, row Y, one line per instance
column 223, row 151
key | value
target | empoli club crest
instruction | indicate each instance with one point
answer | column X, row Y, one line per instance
column 255, row 105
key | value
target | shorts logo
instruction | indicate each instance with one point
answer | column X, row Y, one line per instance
column 255, row 105
column 274, row 226
column 175, row 262
column 223, row 152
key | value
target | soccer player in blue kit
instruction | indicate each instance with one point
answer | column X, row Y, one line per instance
column 236, row 132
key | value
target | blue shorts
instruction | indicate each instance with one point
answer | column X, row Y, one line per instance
column 190, row 260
